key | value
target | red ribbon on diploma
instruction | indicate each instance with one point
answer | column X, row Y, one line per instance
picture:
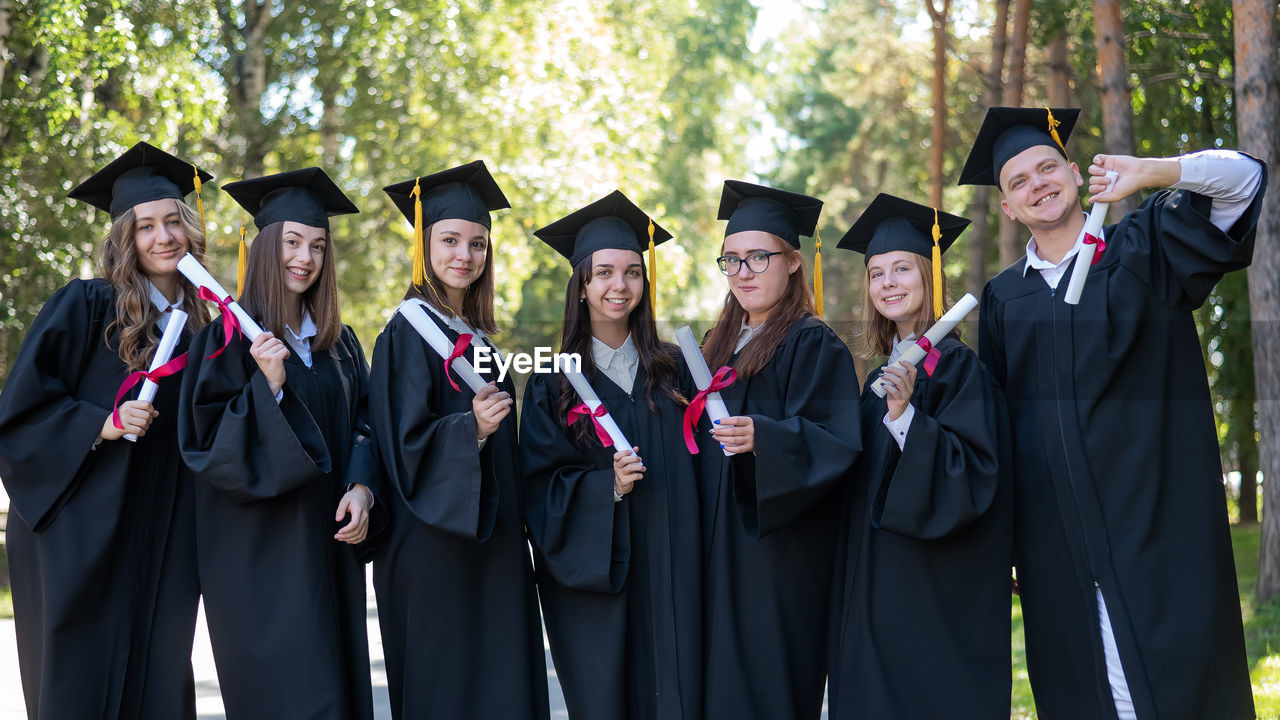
column 581, row 410
column 137, row 376
column 1102, row 246
column 230, row 324
column 723, row 378
column 459, row 348
column 931, row 356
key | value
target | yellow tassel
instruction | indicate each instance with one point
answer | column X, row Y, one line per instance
column 817, row 272
column 419, row 252
column 937, row 267
column 1053, row 130
column 653, row 271
column 199, row 201
column 242, row 263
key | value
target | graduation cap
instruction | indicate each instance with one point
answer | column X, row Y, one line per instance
column 467, row 192
column 788, row 215
column 306, row 196
column 1007, row 131
column 891, row 223
column 142, row 174
column 611, row 223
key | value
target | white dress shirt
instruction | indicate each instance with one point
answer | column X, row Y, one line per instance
column 745, row 334
column 162, row 304
column 300, row 342
column 618, row 365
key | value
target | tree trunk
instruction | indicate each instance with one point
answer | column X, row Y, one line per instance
column 1113, row 76
column 245, row 74
column 6, row 7
column 938, row 145
column 1010, row 245
column 1257, row 102
column 329, row 127
column 980, row 205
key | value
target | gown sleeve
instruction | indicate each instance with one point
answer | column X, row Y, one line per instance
column 580, row 532
column 47, row 427
column 232, row 432
column 991, row 336
column 365, row 466
column 948, row 470
column 804, row 452
column 426, row 436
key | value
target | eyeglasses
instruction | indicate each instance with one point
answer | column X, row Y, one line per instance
column 757, row 262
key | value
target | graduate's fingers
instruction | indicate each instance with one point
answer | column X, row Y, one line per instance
column 343, row 507
column 486, row 391
column 624, row 453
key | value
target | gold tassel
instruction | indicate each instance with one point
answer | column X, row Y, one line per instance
column 199, row 200
column 1053, row 130
column 243, row 261
column 419, row 252
column 937, row 267
column 653, row 271
column 817, row 271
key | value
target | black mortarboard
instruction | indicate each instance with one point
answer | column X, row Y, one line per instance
column 611, row 223
column 779, row 212
column 305, row 196
column 466, row 192
column 142, row 174
column 1007, row 131
column 890, row 223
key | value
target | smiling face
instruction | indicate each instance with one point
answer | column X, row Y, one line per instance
column 302, row 250
column 759, row 293
column 616, row 285
column 1039, row 188
column 159, row 237
column 457, row 251
column 896, row 286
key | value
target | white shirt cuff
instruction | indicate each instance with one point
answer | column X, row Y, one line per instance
column 898, row 428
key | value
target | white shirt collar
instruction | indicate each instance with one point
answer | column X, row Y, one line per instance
column 306, row 331
column 745, row 333
column 899, row 347
column 1035, row 262
column 160, row 301
column 606, row 356
column 458, row 325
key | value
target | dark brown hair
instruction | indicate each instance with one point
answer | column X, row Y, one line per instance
column 879, row 332
column 265, row 294
column 477, row 302
column 795, row 303
column 136, row 316
column 656, row 357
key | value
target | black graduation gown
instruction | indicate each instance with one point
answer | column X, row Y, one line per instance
column 1118, row 482
column 285, row 601
column 101, row 542
column 620, row 583
column 456, row 599
column 769, row 529
column 923, row 572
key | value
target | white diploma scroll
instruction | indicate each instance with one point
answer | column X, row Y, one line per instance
column 1084, row 256
column 413, row 311
column 195, row 272
column 914, row 353
column 592, row 401
column 701, row 375
column 164, row 353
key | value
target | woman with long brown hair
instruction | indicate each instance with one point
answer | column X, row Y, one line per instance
column 276, row 433
column 615, row 534
column 769, row 509
column 923, row 566
column 456, row 597
column 100, row 540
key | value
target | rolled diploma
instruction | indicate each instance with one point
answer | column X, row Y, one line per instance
column 195, row 272
column 1084, row 256
column 592, row 401
column 945, row 324
column 436, row 338
column 701, row 375
column 164, row 352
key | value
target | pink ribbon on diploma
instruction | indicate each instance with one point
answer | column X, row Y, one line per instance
column 1102, row 246
column 230, row 324
column 165, row 370
column 723, row 378
column 931, row 356
column 581, row 410
column 459, row 347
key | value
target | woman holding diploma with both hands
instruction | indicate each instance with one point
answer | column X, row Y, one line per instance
column 277, row 436
column 923, row 568
column 769, row 511
column 615, row 533
column 100, row 537
column 456, row 597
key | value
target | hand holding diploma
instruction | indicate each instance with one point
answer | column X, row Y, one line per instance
column 606, row 428
column 413, row 311
column 736, row 434
column 490, row 407
column 627, row 469
column 160, row 363
column 708, row 396
column 924, row 348
column 1093, row 246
